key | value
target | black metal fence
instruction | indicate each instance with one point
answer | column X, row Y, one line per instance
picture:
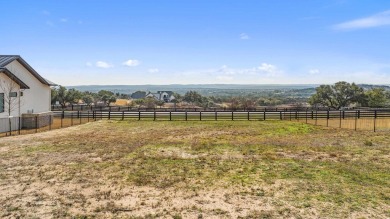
column 375, row 120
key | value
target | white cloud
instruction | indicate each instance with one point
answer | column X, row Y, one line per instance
column 263, row 69
column 264, row 73
column 64, row 20
column 314, row 71
column 102, row 64
column 153, row 70
column 244, row 36
column 377, row 20
column 268, row 69
column 89, row 64
column 131, row 62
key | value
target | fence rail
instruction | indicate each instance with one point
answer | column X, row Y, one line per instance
column 188, row 109
column 376, row 120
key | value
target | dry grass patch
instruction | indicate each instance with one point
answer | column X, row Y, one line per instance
column 223, row 169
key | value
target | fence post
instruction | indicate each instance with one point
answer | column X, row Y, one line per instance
column 264, row 115
column 316, row 117
column 290, row 115
column 154, row 115
column 123, row 115
column 200, row 116
column 139, row 115
column 356, row 116
column 306, row 116
column 62, row 118
column 375, row 121
column 50, row 122
column 79, row 115
column 248, row 116
column 36, row 124
column 109, row 114
column 88, row 116
column 327, row 118
column 71, row 118
column 340, row 119
column 216, row 115
column 19, row 126
column 232, row 116
column 170, row 115
column 280, row 115
column 186, row 114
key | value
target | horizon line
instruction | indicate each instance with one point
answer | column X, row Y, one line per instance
column 214, row 84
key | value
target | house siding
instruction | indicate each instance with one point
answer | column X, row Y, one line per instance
column 15, row 112
column 36, row 99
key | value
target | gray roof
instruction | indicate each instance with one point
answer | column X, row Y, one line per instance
column 6, row 59
column 138, row 95
column 14, row 78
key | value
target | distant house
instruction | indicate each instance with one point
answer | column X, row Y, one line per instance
column 166, row 96
column 27, row 91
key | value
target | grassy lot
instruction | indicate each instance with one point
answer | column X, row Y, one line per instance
column 223, row 169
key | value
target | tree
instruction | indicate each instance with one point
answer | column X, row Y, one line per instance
column 177, row 99
column 376, row 97
column 65, row 96
column 54, row 95
column 61, row 96
column 248, row 103
column 73, row 96
column 107, row 97
column 206, row 102
column 87, row 99
column 150, row 102
column 139, row 102
column 341, row 94
column 192, row 97
column 160, row 103
column 10, row 97
column 234, row 103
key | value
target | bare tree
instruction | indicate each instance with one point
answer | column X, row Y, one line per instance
column 11, row 98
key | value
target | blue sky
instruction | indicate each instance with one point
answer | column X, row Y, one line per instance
column 85, row 42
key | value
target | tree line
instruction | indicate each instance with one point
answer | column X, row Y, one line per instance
column 336, row 96
column 64, row 96
column 343, row 94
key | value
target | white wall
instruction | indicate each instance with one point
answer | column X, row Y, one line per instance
column 38, row 97
column 5, row 80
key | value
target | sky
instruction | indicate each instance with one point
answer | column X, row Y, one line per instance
column 135, row 42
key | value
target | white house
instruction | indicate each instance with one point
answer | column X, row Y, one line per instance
column 166, row 96
column 23, row 92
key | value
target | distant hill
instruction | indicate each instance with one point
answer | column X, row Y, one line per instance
column 289, row 90
column 204, row 89
column 370, row 86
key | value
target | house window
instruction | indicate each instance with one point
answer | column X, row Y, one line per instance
column 13, row 94
column 1, row 102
